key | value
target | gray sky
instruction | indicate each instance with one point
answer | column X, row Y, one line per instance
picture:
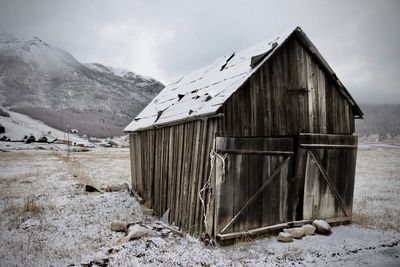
column 166, row 39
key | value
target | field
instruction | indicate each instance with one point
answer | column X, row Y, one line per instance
column 47, row 218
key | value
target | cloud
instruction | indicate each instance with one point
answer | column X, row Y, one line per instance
column 166, row 39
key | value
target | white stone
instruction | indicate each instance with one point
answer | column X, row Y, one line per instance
column 118, row 226
column 136, row 232
column 285, row 237
column 115, row 187
column 296, row 232
column 322, row 227
column 308, row 229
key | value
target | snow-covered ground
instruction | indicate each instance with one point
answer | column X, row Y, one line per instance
column 377, row 185
column 19, row 125
column 47, row 218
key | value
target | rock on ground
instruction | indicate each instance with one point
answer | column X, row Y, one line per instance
column 308, row 229
column 116, row 187
column 135, row 232
column 285, row 237
column 322, row 227
column 296, row 232
column 118, row 226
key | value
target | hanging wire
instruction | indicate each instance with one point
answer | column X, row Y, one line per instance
column 206, row 186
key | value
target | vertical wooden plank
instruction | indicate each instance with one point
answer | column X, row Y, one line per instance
column 180, row 137
column 194, row 176
column 160, row 171
column 171, row 173
column 212, row 176
column 311, row 94
column 284, row 178
column 207, row 169
column 266, row 171
column 146, row 165
column 225, row 179
column 132, row 160
column 139, row 165
column 151, row 163
column 156, row 171
column 311, row 190
column 202, row 176
column 177, row 159
column 322, row 101
column 240, row 197
column 166, row 167
column 254, row 182
column 186, row 204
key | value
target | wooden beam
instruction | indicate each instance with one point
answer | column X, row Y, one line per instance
column 257, row 231
column 272, row 228
column 323, row 146
column 256, row 152
column 179, row 121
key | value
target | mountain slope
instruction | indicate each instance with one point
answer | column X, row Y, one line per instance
column 379, row 119
column 49, row 84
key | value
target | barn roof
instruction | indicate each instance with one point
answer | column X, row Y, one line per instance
column 202, row 92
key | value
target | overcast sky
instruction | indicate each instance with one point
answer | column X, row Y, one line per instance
column 166, row 39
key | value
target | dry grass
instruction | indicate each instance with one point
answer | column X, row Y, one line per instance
column 377, row 189
column 75, row 167
column 98, row 168
column 366, row 215
column 18, row 211
column 12, row 179
column 29, row 205
column 15, row 155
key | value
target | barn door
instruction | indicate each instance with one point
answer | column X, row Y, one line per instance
column 252, row 179
column 329, row 175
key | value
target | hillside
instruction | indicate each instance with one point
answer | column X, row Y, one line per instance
column 18, row 125
column 50, row 85
column 379, row 119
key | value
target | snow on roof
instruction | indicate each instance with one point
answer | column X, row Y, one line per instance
column 204, row 91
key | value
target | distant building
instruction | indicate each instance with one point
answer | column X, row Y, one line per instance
column 74, row 131
column 264, row 136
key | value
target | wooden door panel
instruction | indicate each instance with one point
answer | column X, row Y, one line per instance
column 328, row 175
column 252, row 190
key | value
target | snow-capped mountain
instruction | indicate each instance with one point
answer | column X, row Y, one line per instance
column 50, row 85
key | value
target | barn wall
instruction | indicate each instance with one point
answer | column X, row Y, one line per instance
column 287, row 95
column 170, row 165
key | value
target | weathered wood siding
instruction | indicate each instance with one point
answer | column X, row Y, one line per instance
column 289, row 94
column 169, row 167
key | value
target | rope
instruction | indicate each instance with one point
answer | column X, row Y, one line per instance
column 206, row 186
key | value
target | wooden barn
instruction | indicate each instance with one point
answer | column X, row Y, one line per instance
column 256, row 141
